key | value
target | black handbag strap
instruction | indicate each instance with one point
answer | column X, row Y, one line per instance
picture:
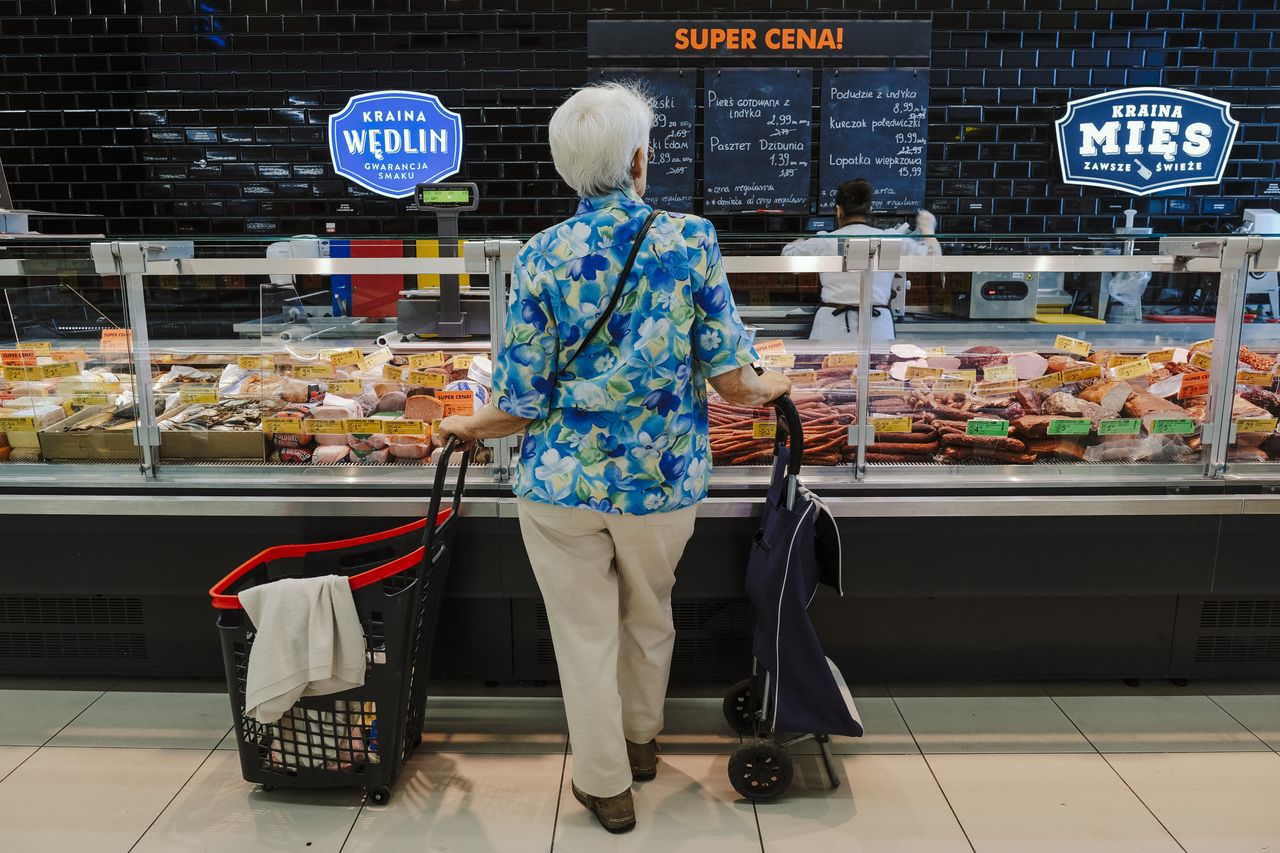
column 617, row 291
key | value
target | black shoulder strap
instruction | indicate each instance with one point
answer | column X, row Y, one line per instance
column 617, row 291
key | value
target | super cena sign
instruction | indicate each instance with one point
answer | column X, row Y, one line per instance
column 1145, row 140
column 391, row 141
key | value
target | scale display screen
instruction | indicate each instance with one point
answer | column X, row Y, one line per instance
column 448, row 196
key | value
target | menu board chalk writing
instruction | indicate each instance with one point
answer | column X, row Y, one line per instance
column 874, row 126
column 670, row 179
column 757, row 139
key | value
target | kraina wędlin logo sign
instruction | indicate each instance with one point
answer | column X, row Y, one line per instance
column 1145, row 140
column 391, row 141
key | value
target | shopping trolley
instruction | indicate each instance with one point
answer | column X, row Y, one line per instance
column 360, row 737
column 795, row 693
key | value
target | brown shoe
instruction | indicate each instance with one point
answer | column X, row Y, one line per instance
column 644, row 760
column 616, row 813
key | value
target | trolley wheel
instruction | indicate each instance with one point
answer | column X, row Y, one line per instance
column 740, row 706
column 760, row 770
column 268, row 787
column 380, row 796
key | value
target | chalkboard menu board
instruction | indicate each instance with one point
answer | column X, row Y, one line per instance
column 757, row 139
column 670, row 182
column 874, row 126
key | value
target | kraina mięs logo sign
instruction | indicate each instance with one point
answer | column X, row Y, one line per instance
column 390, row 142
column 1145, row 140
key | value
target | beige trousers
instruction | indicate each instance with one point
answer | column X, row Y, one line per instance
column 606, row 581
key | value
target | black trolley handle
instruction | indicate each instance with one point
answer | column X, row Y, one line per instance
column 437, row 491
column 791, row 432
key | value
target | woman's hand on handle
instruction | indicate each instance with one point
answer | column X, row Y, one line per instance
column 744, row 387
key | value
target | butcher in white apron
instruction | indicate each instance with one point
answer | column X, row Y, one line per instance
column 837, row 316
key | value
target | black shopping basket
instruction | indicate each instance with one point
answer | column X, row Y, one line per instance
column 360, row 737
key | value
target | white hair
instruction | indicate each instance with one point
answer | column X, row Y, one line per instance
column 595, row 134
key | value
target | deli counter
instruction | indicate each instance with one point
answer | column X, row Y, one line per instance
column 1065, row 462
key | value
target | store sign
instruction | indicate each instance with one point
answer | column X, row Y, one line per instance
column 1145, row 140
column 389, row 142
column 607, row 39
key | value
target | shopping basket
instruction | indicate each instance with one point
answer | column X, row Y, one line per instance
column 360, row 737
column 795, row 692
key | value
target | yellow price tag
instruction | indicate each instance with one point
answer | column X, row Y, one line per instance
column 996, row 389
column 779, row 361
column 1256, row 425
column 917, row 372
column 1081, row 373
column 802, row 377
column 344, row 386
column 427, row 380
column 842, row 359
column 366, row 426
column 1207, row 344
column 463, row 362
column 932, row 352
column 23, row 374
column 1202, row 360
column 326, row 426
column 1254, row 377
column 256, row 362
column 1160, row 356
column 204, row 394
column 764, row 429
column 395, row 374
column 952, row 385
column 891, row 423
column 42, row 347
column 17, row 424
column 1133, row 369
column 877, row 376
column 58, row 371
column 427, row 359
column 282, row 426
column 1046, row 382
column 346, row 358
column 90, row 398
column 1075, row 346
column 313, row 371
column 971, row 375
column 1117, row 360
column 405, row 428
column 1000, row 373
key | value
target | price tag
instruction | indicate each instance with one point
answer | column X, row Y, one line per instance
column 1119, row 426
column 771, row 347
column 404, row 428
column 1194, row 385
column 947, row 383
column 18, row 358
column 115, row 340
column 313, row 371
column 971, row 375
column 917, row 372
column 42, row 347
column 1254, row 377
column 365, row 426
column 764, row 429
column 1074, row 346
column 986, row 426
column 1173, row 426
column 326, row 426
column 69, row 355
column 427, row 380
column 58, row 371
column 995, row 389
column 90, row 398
column 345, row 386
column 1000, row 373
column 463, row 362
column 878, row 376
column 1047, row 382
column 17, row 424
column 1081, row 373
column 1206, row 344
column 1160, row 356
column 935, row 352
column 256, row 362
column 891, row 423
column 390, row 371
column 1069, row 426
column 282, row 426
column 457, row 402
column 779, row 361
column 886, row 389
column 426, row 359
column 1256, row 425
column 1117, row 360
column 23, row 374
column 801, row 377
column 204, row 394
column 1133, row 369
column 378, row 357
column 1201, row 360
column 346, row 358
column 842, row 359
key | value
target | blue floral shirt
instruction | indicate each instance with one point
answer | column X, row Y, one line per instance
column 625, row 429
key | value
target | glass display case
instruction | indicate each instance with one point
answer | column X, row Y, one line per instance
column 999, row 361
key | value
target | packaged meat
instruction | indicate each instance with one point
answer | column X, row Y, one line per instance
column 1057, row 447
column 293, row 455
column 423, row 408
column 392, row 401
column 981, row 356
column 1111, row 396
column 1029, row 365
column 1147, row 406
column 330, row 455
column 413, row 450
column 1032, row 426
column 907, row 352
column 24, row 454
column 350, row 408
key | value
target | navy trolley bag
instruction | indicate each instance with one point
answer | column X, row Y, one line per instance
column 795, row 693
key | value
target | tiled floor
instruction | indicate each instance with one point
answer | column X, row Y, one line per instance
column 1081, row 766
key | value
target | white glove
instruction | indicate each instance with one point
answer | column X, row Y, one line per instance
column 926, row 223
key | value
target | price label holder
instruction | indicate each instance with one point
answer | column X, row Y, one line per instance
column 987, row 427
column 347, row 358
column 1081, row 373
column 1133, row 369
column 256, row 362
column 996, row 389
column 1000, row 373
column 1255, row 377
column 1194, row 385
column 1119, row 426
column 282, row 426
column 457, row 402
column 365, row 426
column 1201, row 359
column 427, row 380
column 1047, row 382
column 1256, row 425
column 345, row 386
column 930, row 373
column 204, row 394
column 764, row 429
column 116, row 340
column 326, row 426
column 1160, row 356
column 313, row 371
column 778, row 361
column 1070, row 426
column 426, row 359
column 1173, row 426
column 840, row 359
column 1075, row 346
column 17, row 425
column 400, row 427
column 390, row 371
column 891, row 423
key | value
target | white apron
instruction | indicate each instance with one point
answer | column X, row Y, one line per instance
column 828, row 327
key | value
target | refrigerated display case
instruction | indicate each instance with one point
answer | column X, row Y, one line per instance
column 208, row 403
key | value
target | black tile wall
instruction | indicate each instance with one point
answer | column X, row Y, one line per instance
column 207, row 116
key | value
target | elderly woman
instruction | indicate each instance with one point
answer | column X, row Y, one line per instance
column 616, row 453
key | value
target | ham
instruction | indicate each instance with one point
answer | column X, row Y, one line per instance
column 1063, row 448
column 944, row 362
column 907, row 352
column 1029, row 365
column 1032, row 426
column 1111, row 396
column 423, row 408
column 330, row 455
column 1149, row 407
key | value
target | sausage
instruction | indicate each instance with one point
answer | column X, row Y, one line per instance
column 987, row 442
column 903, row 449
column 957, row 454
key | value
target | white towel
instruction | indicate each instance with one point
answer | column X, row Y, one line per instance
column 309, row 643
